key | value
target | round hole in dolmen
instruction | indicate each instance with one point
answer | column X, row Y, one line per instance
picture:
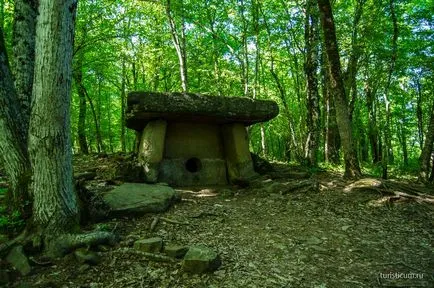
column 193, row 165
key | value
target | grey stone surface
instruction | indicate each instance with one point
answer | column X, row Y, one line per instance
column 150, row 245
column 175, row 251
column 211, row 172
column 147, row 106
column 19, row 261
column 139, row 198
column 200, row 259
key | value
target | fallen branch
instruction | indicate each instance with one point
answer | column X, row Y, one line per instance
column 167, row 220
column 149, row 256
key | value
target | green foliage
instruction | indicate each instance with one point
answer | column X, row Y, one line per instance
column 10, row 222
column 232, row 43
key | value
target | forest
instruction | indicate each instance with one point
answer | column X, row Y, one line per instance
column 353, row 81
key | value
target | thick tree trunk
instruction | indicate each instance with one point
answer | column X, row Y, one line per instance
column 55, row 208
column 311, row 37
column 13, row 147
column 427, row 151
column 352, row 169
column 23, row 44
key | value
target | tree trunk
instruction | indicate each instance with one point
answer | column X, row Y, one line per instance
column 55, row 208
column 372, row 124
column 419, row 112
column 13, row 148
column 332, row 140
column 23, row 44
column 99, row 144
column 388, row 152
column 123, row 108
column 351, row 71
column 352, row 169
column 427, row 151
column 81, row 91
column 179, row 43
column 311, row 66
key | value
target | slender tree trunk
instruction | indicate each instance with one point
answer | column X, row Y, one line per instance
column 388, row 149
column 403, row 141
column 332, row 140
column 352, row 169
column 311, row 37
column 427, row 151
column 180, row 44
column 13, row 147
column 256, row 86
column 81, row 91
column 372, row 124
column 351, row 71
column 245, row 65
column 55, row 208
column 123, row 106
column 419, row 112
column 23, row 43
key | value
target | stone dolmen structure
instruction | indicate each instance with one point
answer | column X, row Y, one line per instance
column 191, row 139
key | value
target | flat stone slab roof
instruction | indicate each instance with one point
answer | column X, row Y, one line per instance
column 146, row 106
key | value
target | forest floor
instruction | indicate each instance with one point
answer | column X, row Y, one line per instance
column 332, row 236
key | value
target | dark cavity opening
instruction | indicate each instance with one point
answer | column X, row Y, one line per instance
column 193, row 165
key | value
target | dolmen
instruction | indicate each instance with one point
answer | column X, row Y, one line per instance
column 191, row 139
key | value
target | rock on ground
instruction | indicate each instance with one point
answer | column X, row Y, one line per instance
column 200, row 259
column 150, row 245
column 138, row 198
column 19, row 261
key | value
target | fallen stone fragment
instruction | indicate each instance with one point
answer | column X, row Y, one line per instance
column 139, row 198
column 175, row 251
column 85, row 256
column 200, row 259
column 150, row 245
column 19, row 261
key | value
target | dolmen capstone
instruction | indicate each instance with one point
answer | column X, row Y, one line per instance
column 191, row 139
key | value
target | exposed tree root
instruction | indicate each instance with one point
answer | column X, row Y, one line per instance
column 397, row 190
column 66, row 243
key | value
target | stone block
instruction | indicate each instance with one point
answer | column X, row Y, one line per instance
column 200, row 259
column 151, row 148
column 236, row 146
column 150, row 245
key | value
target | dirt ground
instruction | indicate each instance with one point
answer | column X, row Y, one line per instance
column 325, row 237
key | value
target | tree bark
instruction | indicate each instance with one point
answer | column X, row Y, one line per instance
column 311, row 37
column 123, row 108
column 179, row 43
column 25, row 12
column 55, row 208
column 332, row 140
column 352, row 169
column 13, row 148
column 81, row 91
column 427, row 151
